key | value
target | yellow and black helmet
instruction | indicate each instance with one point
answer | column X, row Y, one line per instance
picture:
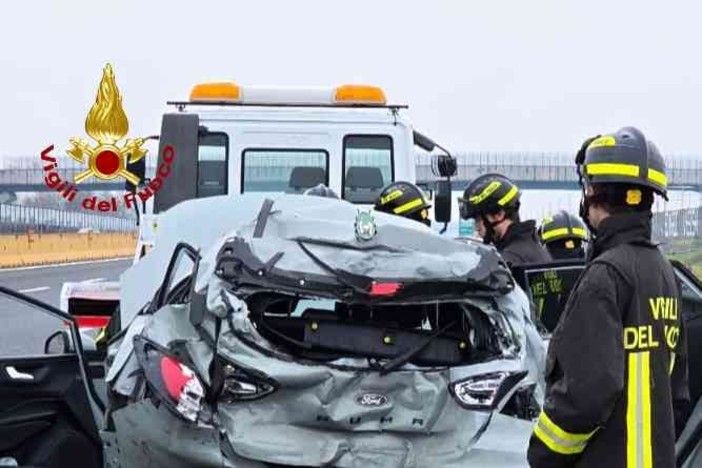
column 560, row 226
column 488, row 194
column 625, row 156
column 404, row 199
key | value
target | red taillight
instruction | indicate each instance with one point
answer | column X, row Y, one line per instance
column 174, row 376
column 384, row 289
column 92, row 321
column 174, row 383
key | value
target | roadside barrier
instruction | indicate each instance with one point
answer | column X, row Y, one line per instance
column 40, row 249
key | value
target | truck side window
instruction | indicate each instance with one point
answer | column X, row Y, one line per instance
column 367, row 167
column 212, row 163
column 283, row 170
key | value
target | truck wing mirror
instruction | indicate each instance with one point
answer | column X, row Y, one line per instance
column 138, row 169
column 442, row 202
column 423, row 142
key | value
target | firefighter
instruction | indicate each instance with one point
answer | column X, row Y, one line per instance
column 404, row 199
column 616, row 362
column 321, row 190
column 493, row 201
column 564, row 235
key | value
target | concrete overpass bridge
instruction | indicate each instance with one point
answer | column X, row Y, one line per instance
column 528, row 170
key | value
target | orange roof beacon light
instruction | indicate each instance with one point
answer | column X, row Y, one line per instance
column 230, row 92
column 216, row 91
column 359, row 94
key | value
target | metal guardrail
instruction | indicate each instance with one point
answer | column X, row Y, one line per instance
column 18, row 219
column 678, row 224
column 544, row 168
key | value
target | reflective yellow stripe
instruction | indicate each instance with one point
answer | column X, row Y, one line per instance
column 101, row 336
column 487, row 191
column 606, row 140
column 638, row 412
column 672, row 363
column 408, row 206
column 658, row 177
column 646, row 403
column 580, row 232
column 391, row 196
column 631, row 422
column 612, row 169
column 559, row 440
column 510, row 195
column 554, row 233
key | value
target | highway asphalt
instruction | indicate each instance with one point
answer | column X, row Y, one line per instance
column 24, row 329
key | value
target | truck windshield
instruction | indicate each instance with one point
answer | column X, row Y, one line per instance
column 367, row 166
column 283, row 170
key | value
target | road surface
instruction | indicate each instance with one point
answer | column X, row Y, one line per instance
column 24, row 329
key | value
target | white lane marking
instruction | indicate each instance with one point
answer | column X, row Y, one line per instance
column 60, row 265
column 31, row 290
column 94, row 280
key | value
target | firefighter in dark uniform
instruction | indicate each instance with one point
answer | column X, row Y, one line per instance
column 404, row 199
column 493, row 201
column 564, row 235
column 616, row 362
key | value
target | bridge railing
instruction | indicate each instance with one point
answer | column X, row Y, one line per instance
column 18, row 219
column 678, row 224
column 545, row 167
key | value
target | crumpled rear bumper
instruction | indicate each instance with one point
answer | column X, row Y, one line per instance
column 144, row 432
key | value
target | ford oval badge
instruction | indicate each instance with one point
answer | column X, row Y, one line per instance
column 371, row 399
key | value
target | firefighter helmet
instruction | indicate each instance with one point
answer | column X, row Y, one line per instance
column 488, row 194
column 562, row 225
column 404, row 199
column 623, row 157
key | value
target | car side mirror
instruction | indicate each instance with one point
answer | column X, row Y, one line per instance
column 57, row 343
column 442, row 202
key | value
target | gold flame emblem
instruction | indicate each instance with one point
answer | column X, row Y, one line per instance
column 107, row 124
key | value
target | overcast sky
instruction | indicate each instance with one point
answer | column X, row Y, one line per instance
column 535, row 75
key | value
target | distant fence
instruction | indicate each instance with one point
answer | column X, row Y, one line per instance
column 18, row 218
column 678, row 224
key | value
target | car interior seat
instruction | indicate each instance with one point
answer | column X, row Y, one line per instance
column 302, row 178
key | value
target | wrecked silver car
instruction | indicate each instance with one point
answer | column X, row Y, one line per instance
column 290, row 331
column 315, row 334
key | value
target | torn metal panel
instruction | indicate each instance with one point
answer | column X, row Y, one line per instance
column 294, row 218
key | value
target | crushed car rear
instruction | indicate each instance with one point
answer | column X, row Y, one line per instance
column 296, row 341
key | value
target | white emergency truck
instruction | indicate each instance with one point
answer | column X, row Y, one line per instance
column 232, row 139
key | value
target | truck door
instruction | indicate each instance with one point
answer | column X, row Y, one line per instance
column 192, row 161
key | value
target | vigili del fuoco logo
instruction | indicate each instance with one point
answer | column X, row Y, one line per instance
column 105, row 157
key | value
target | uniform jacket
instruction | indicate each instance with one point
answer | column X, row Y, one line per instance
column 520, row 245
column 616, row 362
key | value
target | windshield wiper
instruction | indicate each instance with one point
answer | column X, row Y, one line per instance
column 410, row 353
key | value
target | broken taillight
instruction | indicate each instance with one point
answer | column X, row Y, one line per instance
column 384, row 289
column 176, row 384
column 486, row 391
column 241, row 385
